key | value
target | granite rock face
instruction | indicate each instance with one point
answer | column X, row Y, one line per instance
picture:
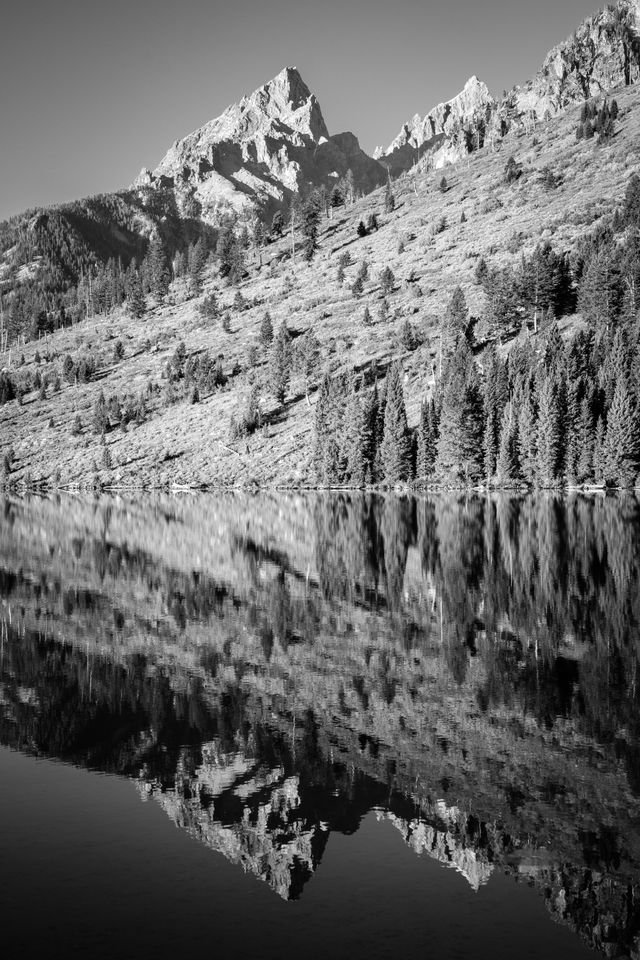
column 260, row 152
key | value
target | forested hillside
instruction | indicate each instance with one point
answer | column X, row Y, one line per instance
column 472, row 324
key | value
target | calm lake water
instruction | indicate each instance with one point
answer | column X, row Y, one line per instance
column 335, row 726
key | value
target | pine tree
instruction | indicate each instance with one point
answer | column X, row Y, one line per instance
column 370, row 419
column 322, row 429
column 310, row 222
column 396, row 444
column 387, row 281
column 427, row 442
column 197, row 261
column 280, row 364
column 621, row 447
column 361, row 230
column 277, row 224
column 548, row 438
column 367, row 318
column 389, row 199
column 507, row 471
column 135, row 298
column 266, row 330
column 527, row 439
column 460, row 438
column 157, row 268
column 584, row 469
column 100, row 415
column 353, row 443
column 455, row 321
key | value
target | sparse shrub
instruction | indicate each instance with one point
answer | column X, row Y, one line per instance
column 407, row 336
column 114, row 410
column 440, row 226
column 68, row 369
column 401, row 247
column 511, row 171
column 366, row 317
column 252, row 355
column 226, row 322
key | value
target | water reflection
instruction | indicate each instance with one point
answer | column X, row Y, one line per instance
column 269, row 670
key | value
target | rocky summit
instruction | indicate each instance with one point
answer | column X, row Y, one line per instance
column 262, row 150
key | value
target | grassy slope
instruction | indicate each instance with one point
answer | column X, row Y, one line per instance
column 188, row 444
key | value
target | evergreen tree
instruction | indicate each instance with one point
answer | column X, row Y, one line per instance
column 322, row 431
column 455, row 321
column 354, row 438
column 387, row 281
column 632, row 202
column 197, row 262
column 135, row 297
column 361, row 230
column 157, row 268
column 277, row 224
column 396, row 444
column 366, row 317
column 280, row 364
column 548, row 437
column 427, row 442
column 100, row 415
column 389, row 199
column 584, row 470
column 507, row 464
column 460, row 437
column 266, row 330
column 528, row 439
column 310, row 222
column 621, row 447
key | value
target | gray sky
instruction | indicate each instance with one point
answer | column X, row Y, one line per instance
column 92, row 90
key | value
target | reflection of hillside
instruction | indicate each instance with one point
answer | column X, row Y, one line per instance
column 271, row 672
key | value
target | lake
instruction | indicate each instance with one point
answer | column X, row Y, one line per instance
column 345, row 726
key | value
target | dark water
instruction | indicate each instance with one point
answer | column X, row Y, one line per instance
column 330, row 726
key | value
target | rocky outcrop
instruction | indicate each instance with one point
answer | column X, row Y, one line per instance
column 260, row 152
column 456, row 125
column 600, row 56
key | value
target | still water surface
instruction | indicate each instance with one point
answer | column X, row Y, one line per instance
column 334, row 726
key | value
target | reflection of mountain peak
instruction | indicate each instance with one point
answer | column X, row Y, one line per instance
column 445, row 848
column 251, row 814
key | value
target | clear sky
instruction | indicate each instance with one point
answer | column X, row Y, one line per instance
column 92, row 90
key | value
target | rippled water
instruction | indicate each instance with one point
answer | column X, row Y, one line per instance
column 382, row 726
